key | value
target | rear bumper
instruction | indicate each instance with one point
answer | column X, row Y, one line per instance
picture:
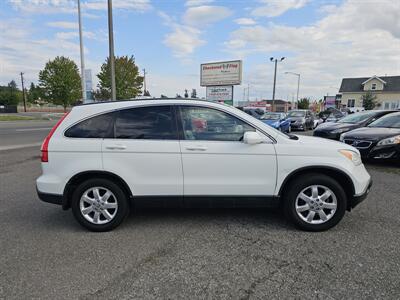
column 357, row 199
column 50, row 198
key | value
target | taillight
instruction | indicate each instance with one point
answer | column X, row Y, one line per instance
column 45, row 145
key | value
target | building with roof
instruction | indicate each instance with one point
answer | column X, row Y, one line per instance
column 386, row 89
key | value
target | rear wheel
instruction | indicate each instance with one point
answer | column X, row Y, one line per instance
column 315, row 203
column 99, row 204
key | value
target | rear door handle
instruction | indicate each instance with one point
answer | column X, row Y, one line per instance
column 196, row 148
column 116, row 147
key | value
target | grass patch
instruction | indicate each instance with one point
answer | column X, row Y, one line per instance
column 15, row 118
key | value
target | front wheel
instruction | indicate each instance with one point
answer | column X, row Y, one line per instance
column 315, row 202
column 99, row 204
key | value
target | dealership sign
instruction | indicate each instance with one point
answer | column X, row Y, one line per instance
column 219, row 93
column 221, row 73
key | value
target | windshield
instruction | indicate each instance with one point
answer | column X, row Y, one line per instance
column 269, row 116
column 357, row 118
column 388, row 121
column 296, row 114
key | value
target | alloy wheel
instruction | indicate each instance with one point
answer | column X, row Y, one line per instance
column 98, row 205
column 316, row 204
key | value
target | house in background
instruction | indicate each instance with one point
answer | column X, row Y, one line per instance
column 385, row 88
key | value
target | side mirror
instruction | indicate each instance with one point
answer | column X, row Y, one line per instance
column 252, row 138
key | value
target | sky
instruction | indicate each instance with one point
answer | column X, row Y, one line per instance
column 324, row 41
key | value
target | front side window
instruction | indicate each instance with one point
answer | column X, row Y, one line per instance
column 207, row 124
column 96, row 127
column 153, row 122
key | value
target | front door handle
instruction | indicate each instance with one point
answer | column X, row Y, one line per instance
column 196, row 148
column 116, row 147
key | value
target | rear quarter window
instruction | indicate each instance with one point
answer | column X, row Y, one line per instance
column 95, row 127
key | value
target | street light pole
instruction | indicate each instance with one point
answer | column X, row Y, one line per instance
column 82, row 54
column 275, row 60
column 111, row 51
column 298, row 83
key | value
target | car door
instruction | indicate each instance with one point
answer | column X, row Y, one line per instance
column 145, row 151
column 215, row 160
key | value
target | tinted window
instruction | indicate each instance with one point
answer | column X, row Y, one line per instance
column 95, row 127
column 388, row 121
column 153, row 122
column 358, row 117
column 296, row 113
column 208, row 124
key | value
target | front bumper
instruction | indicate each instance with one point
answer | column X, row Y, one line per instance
column 295, row 125
column 384, row 152
column 357, row 199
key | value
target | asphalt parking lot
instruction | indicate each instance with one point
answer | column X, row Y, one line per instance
column 192, row 254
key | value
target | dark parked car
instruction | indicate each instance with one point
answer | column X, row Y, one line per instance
column 350, row 122
column 379, row 140
column 301, row 119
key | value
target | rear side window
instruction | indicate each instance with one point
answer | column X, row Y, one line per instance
column 153, row 122
column 95, row 127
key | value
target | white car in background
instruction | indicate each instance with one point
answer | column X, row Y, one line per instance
column 103, row 159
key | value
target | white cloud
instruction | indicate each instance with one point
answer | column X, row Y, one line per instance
column 205, row 15
column 15, row 58
column 332, row 48
column 63, row 25
column 186, row 36
column 198, row 2
column 245, row 21
column 274, row 8
column 183, row 40
column 69, row 6
column 137, row 5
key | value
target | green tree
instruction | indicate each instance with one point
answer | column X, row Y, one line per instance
column 193, row 93
column 60, row 81
column 14, row 93
column 186, row 95
column 35, row 93
column 303, row 103
column 10, row 94
column 128, row 82
column 369, row 101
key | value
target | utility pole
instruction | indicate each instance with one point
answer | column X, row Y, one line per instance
column 144, row 81
column 111, row 50
column 23, row 90
column 275, row 60
column 82, row 54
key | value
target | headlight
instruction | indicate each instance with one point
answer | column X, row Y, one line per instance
column 390, row 141
column 352, row 155
column 340, row 130
column 276, row 124
column 341, row 138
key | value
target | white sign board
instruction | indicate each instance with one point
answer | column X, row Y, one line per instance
column 219, row 93
column 221, row 73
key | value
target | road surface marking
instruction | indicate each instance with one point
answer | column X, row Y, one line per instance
column 12, row 147
column 33, row 129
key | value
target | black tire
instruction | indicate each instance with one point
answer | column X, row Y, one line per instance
column 120, row 198
column 296, row 186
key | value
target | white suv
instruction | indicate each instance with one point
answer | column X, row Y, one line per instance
column 102, row 159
